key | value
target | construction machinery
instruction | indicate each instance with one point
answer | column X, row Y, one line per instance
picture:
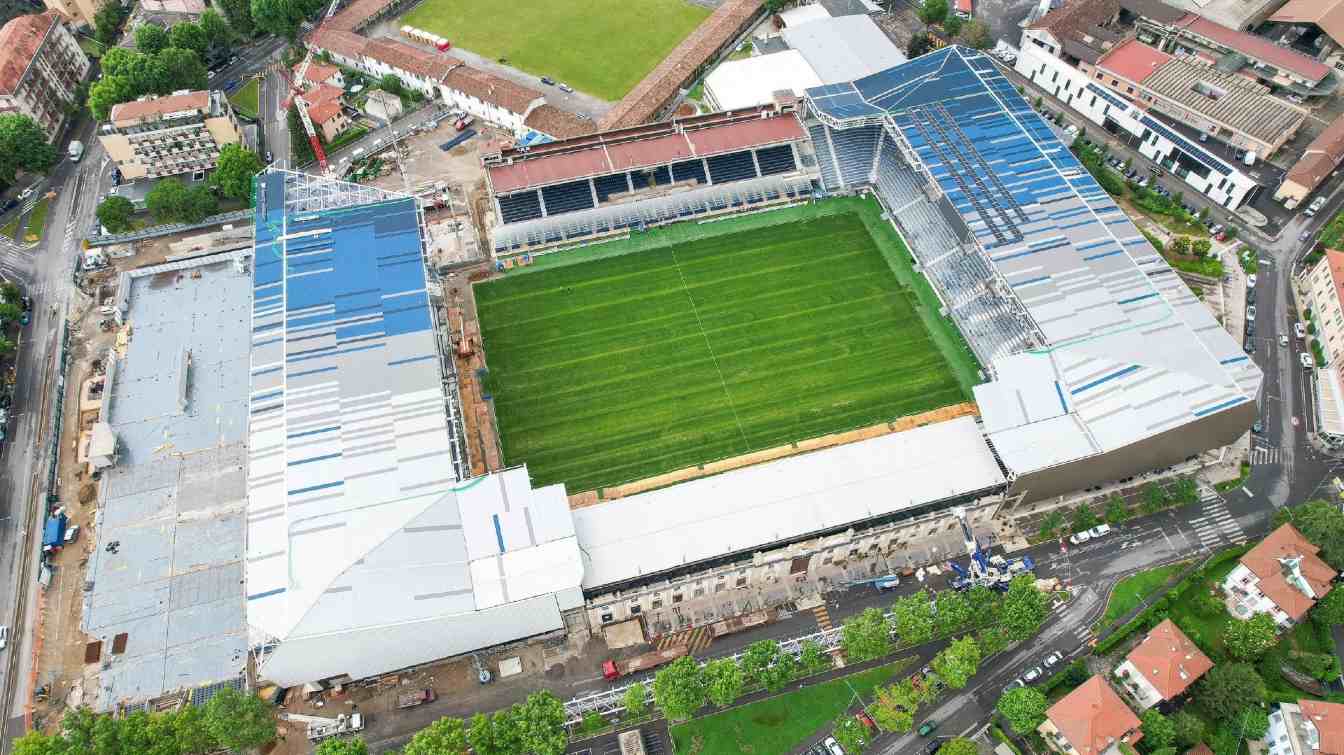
column 613, row 669
column 297, row 91
column 320, row 728
column 882, row 583
column 994, row 572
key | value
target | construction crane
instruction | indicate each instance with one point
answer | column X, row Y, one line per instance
column 994, row 572
column 296, row 93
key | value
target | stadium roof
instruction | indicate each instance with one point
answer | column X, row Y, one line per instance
column 364, row 551
column 641, row 147
column 1127, row 350
column 785, row 499
column 753, row 81
column 843, row 48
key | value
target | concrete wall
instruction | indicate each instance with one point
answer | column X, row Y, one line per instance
column 1326, row 310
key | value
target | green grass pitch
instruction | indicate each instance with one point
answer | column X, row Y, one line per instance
column 625, row 367
column 601, row 47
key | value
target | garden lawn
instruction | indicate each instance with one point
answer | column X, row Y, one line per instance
column 1131, row 591
column 37, row 219
column 600, row 47
column 245, row 99
column 623, row 367
column 1196, row 625
column 779, row 724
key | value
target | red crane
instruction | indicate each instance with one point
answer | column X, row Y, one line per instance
column 296, row 94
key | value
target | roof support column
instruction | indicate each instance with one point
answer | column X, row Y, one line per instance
column 541, row 200
column 592, row 187
column 756, row 162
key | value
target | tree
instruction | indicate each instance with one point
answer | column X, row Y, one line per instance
column 233, row 175
column 952, row 25
column 1248, row 640
column 914, row 617
column 1023, row 708
column 1228, row 689
column 724, row 681
column 218, row 36
column 189, row 731
column 1254, row 723
column 1179, row 246
column 390, row 84
column 812, row 658
column 1158, row 730
column 958, row 746
column 775, row 6
column 109, row 91
column 851, row 735
column 865, row 636
column 894, row 709
column 354, row 746
column 171, row 201
column 189, row 36
column 1051, row 523
column 107, row 22
column 278, row 17
column 150, row 38
column 37, row 743
column 1083, row 518
column 757, row 657
column 484, row 735
column 446, row 736
column 24, row 145
column 1116, row 510
column 975, row 33
column 10, row 312
column 115, row 212
column 1321, row 523
column 1024, row 608
column 779, row 673
column 1187, row 728
column 919, row 44
column 958, row 662
column 636, row 700
column 679, row 688
column 119, row 60
column 933, row 11
column 540, row 722
column 239, row 15
column 1330, row 609
column 182, row 69
column 238, row 721
column 953, row 611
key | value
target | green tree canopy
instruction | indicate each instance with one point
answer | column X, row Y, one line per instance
column 238, row 721
column 355, row 746
column 636, row 700
column 115, row 212
column 282, row 17
column 1023, row 708
column 117, row 61
column 107, row 22
column 865, row 636
column 1228, row 689
column 679, row 688
column 780, row 672
column 1248, row 640
column 813, row 659
column 218, row 35
column 1158, row 730
column 958, row 746
column 541, row 723
column 1330, row 609
column 233, row 175
column 914, row 617
column 239, row 15
column 23, row 145
column 189, row 36
column 958, row 662
column 183, row 68
column 1188, row 728
column 975, row 33
column 919, row 44
column 724, row 681
column 933, row 11
column 108, row 91
column 150, row 38
column 446, row 736
column 895, row 706
column 852, row 736
column 1320, row 522
column 1024, row 608
column 171, row 201
column 953, row 611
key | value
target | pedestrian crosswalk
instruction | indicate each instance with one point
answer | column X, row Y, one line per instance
column 1215, row 524
column 695, row 639
column 1266, row 454
column 823, row 617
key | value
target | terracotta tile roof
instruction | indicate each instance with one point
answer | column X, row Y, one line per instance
column 488, row 87
column 1322, row 156
column 324, row 111
column 1077, row 18
column 1256, row 47
column 1287, row 542
column 1327, row 14
column 354, row 16
column 1335, row 259
column 1093, row 717
column 154, row 106
column 430, row 65
column 1199, row 749
column 644, row 101
column 318, row 73
column 321, row 95
column 20, row 39
column 1169, row 660
column 1328, row 718
column 339, row 42
column 1134, row 60
column 551, row 120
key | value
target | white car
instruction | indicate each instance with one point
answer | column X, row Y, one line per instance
column 833, row 746
column 1250, row 313
column 1305, row 358
column 1283, row 339
column 1299, row 330
column 1053, row 659
column 1250, row 281
column 1101, row 530
column 4, row 637
column 1033, row 674
column 1078, row 538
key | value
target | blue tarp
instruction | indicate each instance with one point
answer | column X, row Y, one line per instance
column 53, row 531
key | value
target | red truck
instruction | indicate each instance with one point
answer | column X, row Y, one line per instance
column 417, row 697
column 616, row 669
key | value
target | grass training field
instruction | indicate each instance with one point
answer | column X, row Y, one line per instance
column 601, row 47
column 624, row 367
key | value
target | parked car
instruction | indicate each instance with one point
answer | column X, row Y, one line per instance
column 1258, row 427
column 1304, row 236
column 1283, row 339
column 1250, row 312
column 833, row 746
column 564, row 87
column 926, row 728
column 1250, row 281
column 1299, row 330
column 1099, row 531
column 1032, row 674
column 1078, row 538
column 1305, row 358
column 1014, row 684
column 4, row 636
column 548, row 81
column 1053, row 659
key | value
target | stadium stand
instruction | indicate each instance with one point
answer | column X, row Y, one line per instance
column 774, row 160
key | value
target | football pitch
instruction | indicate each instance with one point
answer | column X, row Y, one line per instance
column 601, row 47
column 622, row 368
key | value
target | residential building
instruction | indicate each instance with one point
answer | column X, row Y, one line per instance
column 41, row 67
column 1326, row 15
column 1192, row 91
column 964, row 9
column 327, row 111
column 1161, row 667
column 1324, row 287
column 80, row 12
column 557, row 124
column 1281, row 576
column 1308, row 727
column 1320, row 159
column 178, row 133
column 1091, row 720
column 1154, row 136
column 382, row 105
column 493, row 98
column 319, row 74
column 1242, row 15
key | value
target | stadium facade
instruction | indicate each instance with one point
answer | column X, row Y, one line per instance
column 368, row 548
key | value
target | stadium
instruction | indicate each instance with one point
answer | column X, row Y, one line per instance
column 728, row 353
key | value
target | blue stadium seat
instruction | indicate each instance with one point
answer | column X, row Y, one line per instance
column 690, row 169
column 775, row 160
column 736, row 166
column 567, row 197
column 518, row 207
column 608, row 185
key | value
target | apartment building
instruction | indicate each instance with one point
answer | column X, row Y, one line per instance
column 178, row 133
column 1307, row 727
column 1091, row 720
column 1321, row 158
column 80, row 12
column 1325, row 292
column 1162, row 667
column 1282, row 576
column 41, row 67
